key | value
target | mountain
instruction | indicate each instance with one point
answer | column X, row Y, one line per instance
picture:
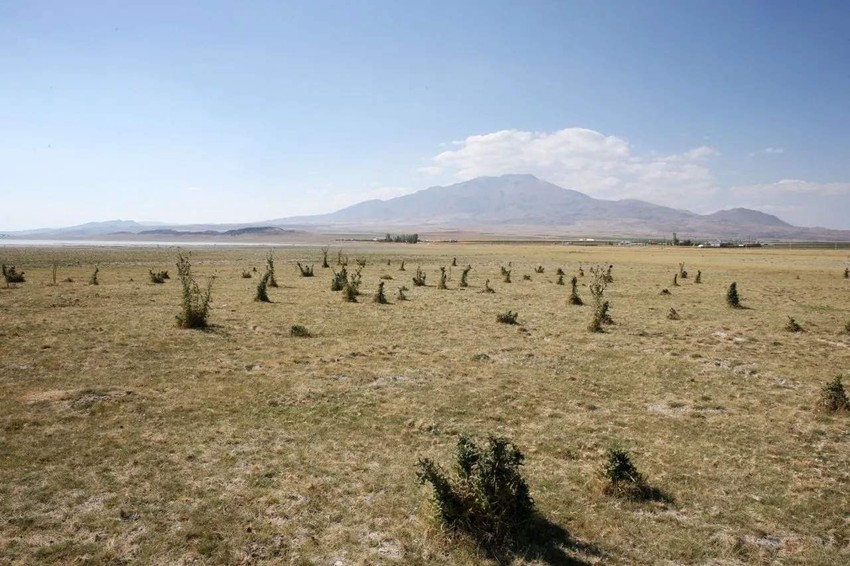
column 519, row 205
column 526, row 204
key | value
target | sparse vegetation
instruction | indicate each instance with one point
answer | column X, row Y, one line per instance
column 464, row 275
column 698, row 278
column 262, row 294
column 507, row 317
column 600, row 306
column 673, row 315
column 622, row 477
column 486, row 498
column 246, row 274
column 401, row 267
column 506, row 276
column 401, row 293
column 419, row 278
column 792, row 325
column 847, row 273
column 196, row 301
column 299, row 331
column 340, row 280
column 306, row 270
column 10, row 275
column 442, row 283
column 675, row 280
column 574, row 298
column 270, row 270
column 560, row 280
column 379, row 297
column 732, row 298
column 157, row 277
column 833, row 397
column 682, row 273
column 487, row 288
column 325, row 264
column 539, row 269
column 93, row 277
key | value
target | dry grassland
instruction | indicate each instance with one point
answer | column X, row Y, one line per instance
column 126, row 439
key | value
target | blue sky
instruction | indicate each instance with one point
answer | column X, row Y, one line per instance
column 244, row 111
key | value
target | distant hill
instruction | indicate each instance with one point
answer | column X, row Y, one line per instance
column 526, row 204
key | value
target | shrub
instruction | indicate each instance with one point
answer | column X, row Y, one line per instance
column 507, row 276
column 349, row 293
column 560, row 280
column 847, row 273
column 298, row 331
column 793, row 326
column 600, row 307
column 539, row 269
column 622, row 477
column 833, row 397
column 401, row 296
column 246, row 274
column 158, row 277
column 93, row 277
column 673, row 315
column 341, row 260
column 361, row 262
column 454, row 262
column 698, row 278
column 464, row 275
column 380, row 298
column 11, row 276
column 682, row 273
column 401, row 267
column 419, row 278
column 526, row 277
column 262, row 295
column 580, row 271
column 270, row 270
column 486, row 497
column 675, row 280
column 442, row 283
column 507, row 317
column 574, row 298
column 340, row 280
column 488, row 289
column 665, row 292
column 608, row 277
column 354, row 281
column 306, row 271
column 196, row 302
column 325, row 264
column 847, row 327
column 53, row 269
column 732, row 298
column 560, row 272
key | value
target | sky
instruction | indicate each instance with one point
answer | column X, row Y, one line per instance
column 196, row 112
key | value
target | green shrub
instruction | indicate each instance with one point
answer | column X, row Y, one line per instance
column 379, row 297
column 463, row 276
column 622, row 477
column 11, row 276
column 419, row 278
column 560, row 280
column 732, row 298
column 574, row 298
column 270, row 269
column 262, row 294
column 340, row 280
column 580, row 271
column 401, row 296
column 298, row 331
column 349, row 293
column 526, row 277
column 507, row 276
column 158, row 277
column 560, row 272
column 682, row 273
column 673, row 315
column 833, row 397
column 507, row 317
column 600, row 306
column 454, row 262
column 442, row 283
column 793, row 326
column 93, row 277
column 401, row 267
column 196, row 302
column 486, row 497
column 698, row 278
column 847, row 273
column 487, row 288
column 306, row 271
column 539, row 269
column 325, row 264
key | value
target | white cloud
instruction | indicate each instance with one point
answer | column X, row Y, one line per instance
column 586, row 160
column 431, row 171
column 768, row 151
column 789, row 187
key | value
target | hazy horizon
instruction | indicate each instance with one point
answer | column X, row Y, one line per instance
column 218, row 113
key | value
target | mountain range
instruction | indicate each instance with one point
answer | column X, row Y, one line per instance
column 521, row 205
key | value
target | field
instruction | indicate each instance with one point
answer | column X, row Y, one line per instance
column 124, row 438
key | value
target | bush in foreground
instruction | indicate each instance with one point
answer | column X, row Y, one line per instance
column 507, row 317
column 196, row 301
column 486, row 497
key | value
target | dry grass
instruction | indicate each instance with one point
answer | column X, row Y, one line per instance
column 125, row 438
